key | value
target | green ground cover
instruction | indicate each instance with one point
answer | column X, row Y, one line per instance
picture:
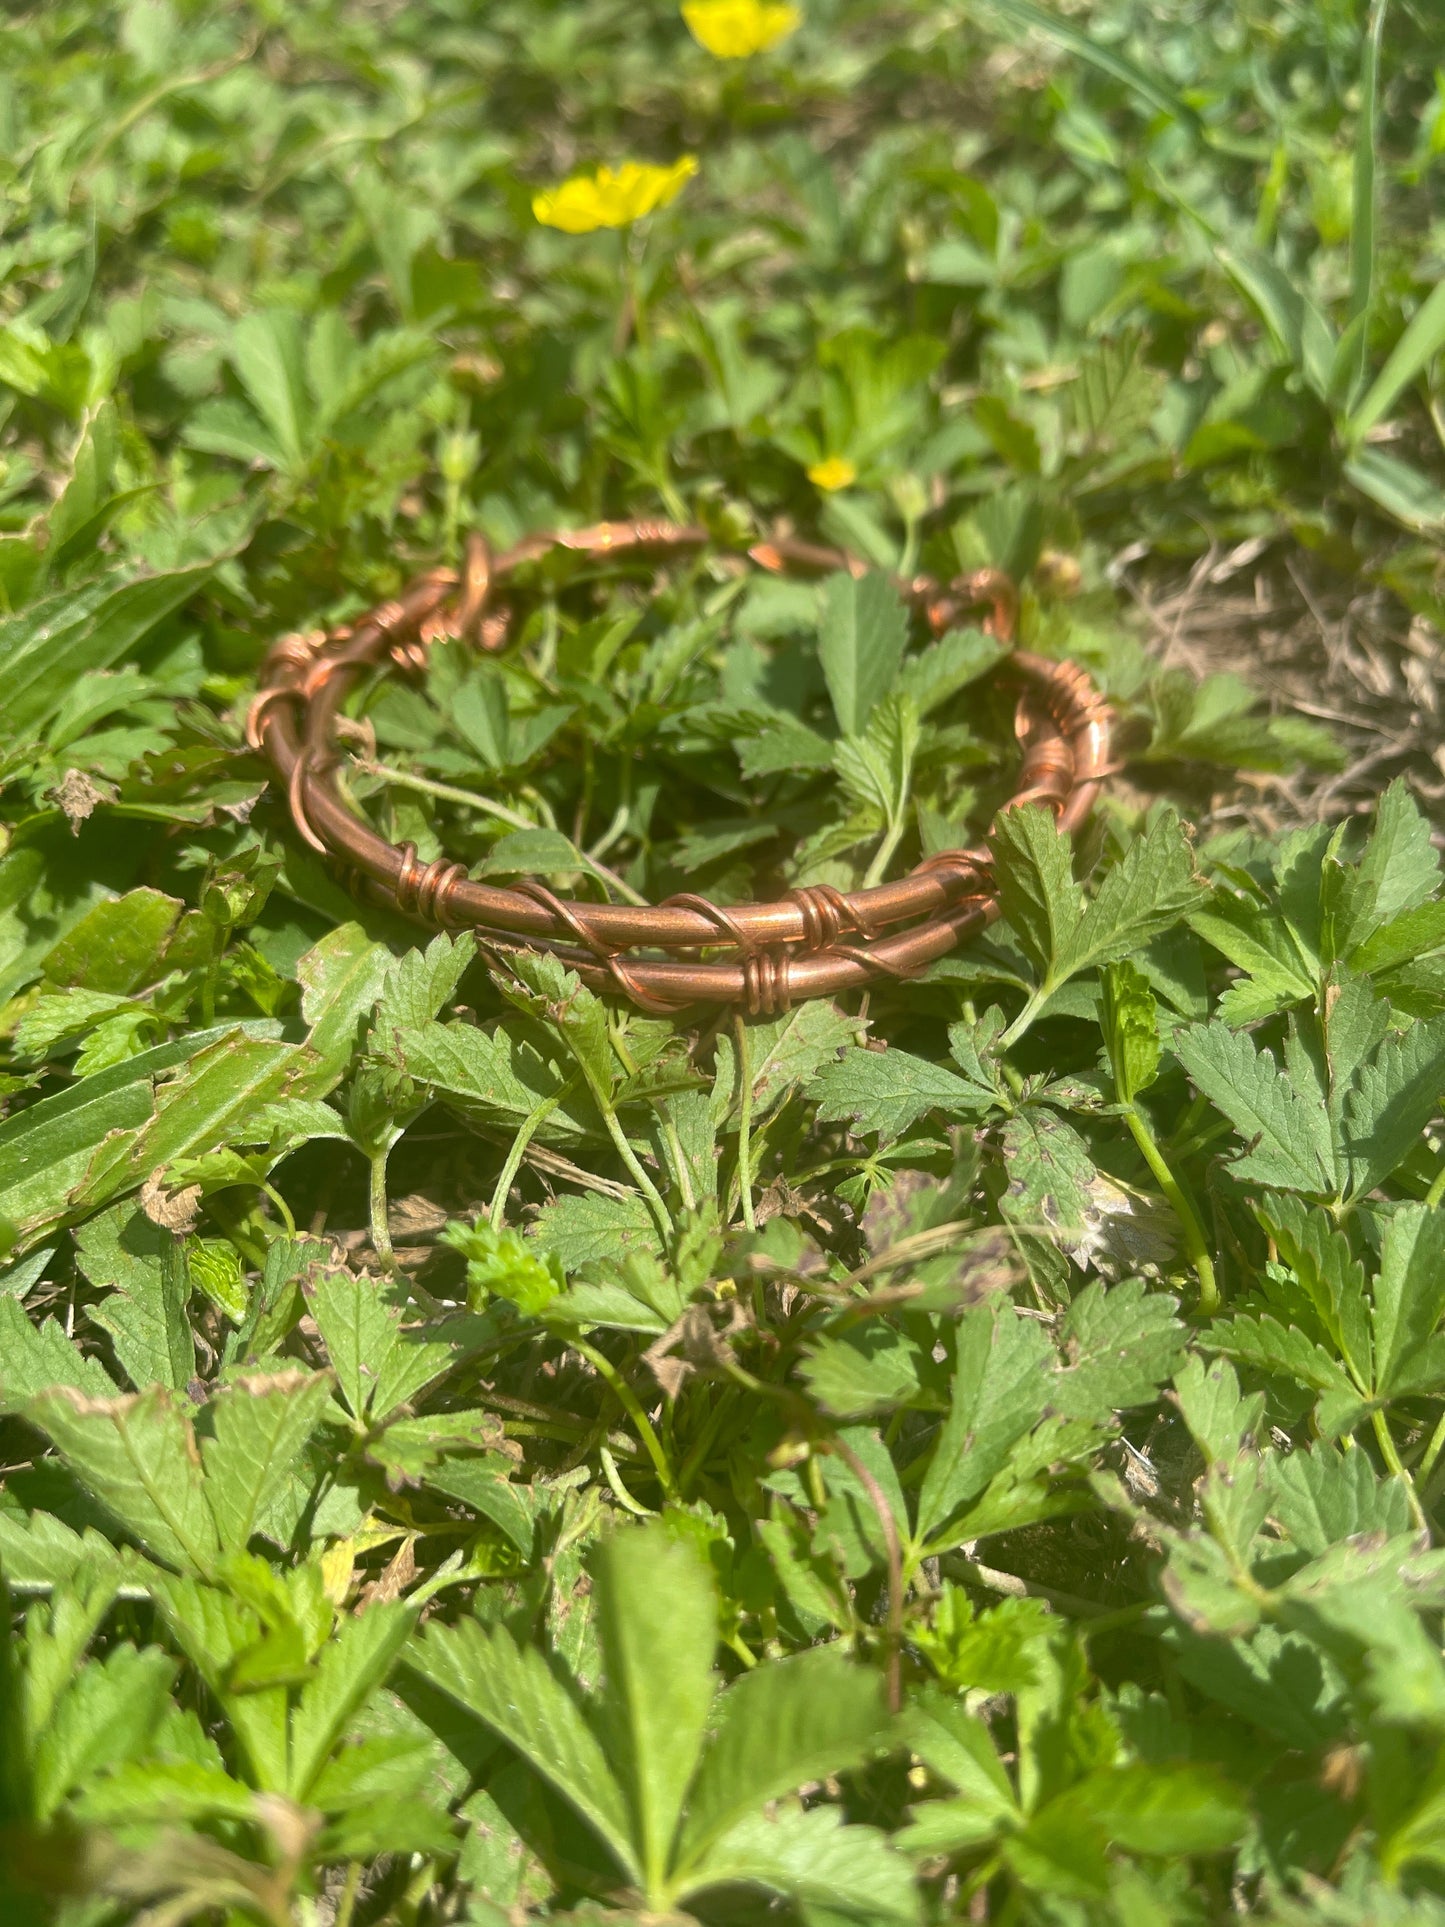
column 473, row 1454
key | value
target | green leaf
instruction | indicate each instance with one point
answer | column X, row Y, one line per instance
column 495, row 1076
column 1131, row 1029
column 46, row 1149
column 420, row 983
column 47, row 647
column 1001, row 1385
column 511, row 1690
column 1332, row 1278
column 1409, row 1301
column 117, row 946
column 1362, row 222
column 484, row 1485
column 1393, row 1098
column 1258, row 941
column 351, row 1666
column 1154, row 1808
column 1287, row 1140
column 782, row 1052
column 268, row 350
column 35, row 1357
column 378, row 1365
column 1150, row 889
column 1417, row 347
column 1120, row 1345
column 1049, row 1172
column 138, row 1456
column 886, row 1091
column 260, row 1423
column 1399, row 859
column 860, row 646
column 341, row 978
column 869, row 1370
column 217, row 1632
column 500, row 1263
column 656, row 1610
column 146, row 1314
column 1398, row 487
column 786, row 1723
column 105, row 1719
column 1220, row 1421
column 1322, row 1497
column 1037, row 891
column 1266, row 1345
column 851, row 1872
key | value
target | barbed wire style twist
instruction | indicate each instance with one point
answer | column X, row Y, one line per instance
column 814, row 941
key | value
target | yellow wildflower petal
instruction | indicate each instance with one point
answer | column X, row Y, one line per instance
column 613, row 196
column 834, row 472
column 733, row 29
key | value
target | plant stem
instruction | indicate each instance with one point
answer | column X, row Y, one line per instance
column 1036, row 1001
column 380, row 1226
column 745, row 1122
column 893, row 1671
column 270, row 1191
column 1189, row 1224
column 347, row 1905
column 1427, row 1464
column 885, row 852
column 634, row 1165
column 671, row 1142
column 1389, row 1452
column 531, row 1124
column 1437, row 1188
column 619, row 1491
column 444, row 792
column 631, row 1404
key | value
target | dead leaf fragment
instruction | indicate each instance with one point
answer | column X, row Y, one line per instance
column 77, row 794
column 176, row 1209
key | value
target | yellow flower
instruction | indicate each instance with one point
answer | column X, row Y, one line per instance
column 733, row 29
column 613, row 196
column 834, row 472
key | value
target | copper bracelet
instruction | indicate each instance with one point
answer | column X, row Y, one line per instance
column 815, row 941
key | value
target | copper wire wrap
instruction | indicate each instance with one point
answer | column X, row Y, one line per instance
column 816, row 941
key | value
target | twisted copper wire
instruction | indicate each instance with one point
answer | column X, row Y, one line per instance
column 781, row 952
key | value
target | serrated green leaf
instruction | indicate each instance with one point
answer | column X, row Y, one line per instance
column 860, row 647
column 105, row 1718
column 1001, row 1386
column 1119, row 1346
column 351, row 1665
column 35, row 1357
column 868, row 1370
column 1150, row 889
column 1131, row 1029
column 789, row 1722
column 1392, row 1099
column 1409, row 1301
column 146, row 1315
column 851, row 1872
column 1037, row 891
column 886, row 1091
column 657, row 1619
column 510, row 1689
column 260, row 1424
column 1287, row 1140
column 138, row 1456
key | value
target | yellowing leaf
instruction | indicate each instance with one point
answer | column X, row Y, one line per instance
column 733, row 29
column 613, row 196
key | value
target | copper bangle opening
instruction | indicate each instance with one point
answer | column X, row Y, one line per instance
column 814, row 941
